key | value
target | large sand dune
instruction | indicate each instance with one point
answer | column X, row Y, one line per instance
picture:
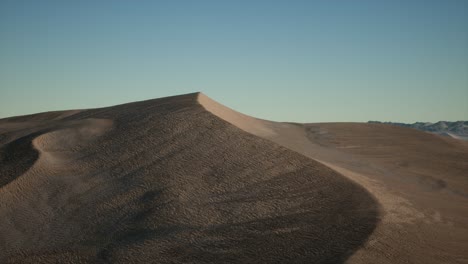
column 187, row 180
column 165, row 181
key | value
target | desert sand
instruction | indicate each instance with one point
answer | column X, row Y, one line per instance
column 185, row 179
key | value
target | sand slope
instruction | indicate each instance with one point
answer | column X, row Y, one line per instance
column 419, row 179
column 168, row 181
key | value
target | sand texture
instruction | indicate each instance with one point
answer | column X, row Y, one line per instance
column 185, row 179
column 166, row 181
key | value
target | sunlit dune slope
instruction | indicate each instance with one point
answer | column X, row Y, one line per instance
column 419, row 179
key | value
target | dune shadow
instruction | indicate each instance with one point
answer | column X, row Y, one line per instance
column 316, row 225
column 17, row 157
column 293, row 238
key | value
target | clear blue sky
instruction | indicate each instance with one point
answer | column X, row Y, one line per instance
column 306, row 61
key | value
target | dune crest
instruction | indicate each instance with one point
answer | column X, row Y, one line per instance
column 247, row 123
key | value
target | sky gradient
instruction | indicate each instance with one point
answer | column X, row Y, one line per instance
column 303, row 61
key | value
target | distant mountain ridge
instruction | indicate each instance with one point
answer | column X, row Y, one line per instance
column 457, row 129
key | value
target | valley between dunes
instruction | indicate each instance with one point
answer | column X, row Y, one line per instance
column 184, row 179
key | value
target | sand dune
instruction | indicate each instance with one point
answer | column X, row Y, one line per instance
column 185, row 179
column 167, row 181
column 419, row 179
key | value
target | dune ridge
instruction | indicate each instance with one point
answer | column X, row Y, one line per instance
column 166, row 181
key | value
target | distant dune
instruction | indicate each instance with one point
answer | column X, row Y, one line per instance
column 185, row 179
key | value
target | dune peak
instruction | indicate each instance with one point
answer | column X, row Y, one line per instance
column 247, row 123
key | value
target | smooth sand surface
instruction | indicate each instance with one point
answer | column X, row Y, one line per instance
column 173, row 180
column 420, row 180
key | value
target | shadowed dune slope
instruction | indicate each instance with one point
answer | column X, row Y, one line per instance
column 16, row 158
column 166, row 181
